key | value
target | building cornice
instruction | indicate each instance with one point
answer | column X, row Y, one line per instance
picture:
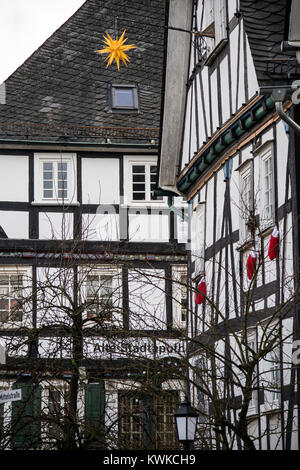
column 231, row 133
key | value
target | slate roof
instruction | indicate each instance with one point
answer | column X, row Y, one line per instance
column 266, row 26
column 61, row 91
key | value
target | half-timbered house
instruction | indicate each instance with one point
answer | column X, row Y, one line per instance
column 229, row 146
column 88, row 254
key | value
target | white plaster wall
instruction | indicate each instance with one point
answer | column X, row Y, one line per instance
column 193, row 127
column 104, row 227
column 241, row 71
column 221, row 186
column 214, row 100
column 201, row 103
column 234, row 38
column 225, row 89
column 13, row 178
column 206, row 95
column 148, row 228
column 282, row 140
column 252, row 77
column 100, row 181
column 209, row 213
column 55, row 348
column 15, row 224
column 55, row 225
column 235, row 193
column 147, row 299
column 55, row 287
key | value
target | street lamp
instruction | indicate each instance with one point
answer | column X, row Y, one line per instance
column 186, row 421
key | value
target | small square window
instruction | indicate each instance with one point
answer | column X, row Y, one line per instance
column 124, row 97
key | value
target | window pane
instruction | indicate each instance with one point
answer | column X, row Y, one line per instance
column 62, row 166
column 48, row 184
column 10, row 306
column 138, row 178
column 138, row 196
column 4, row 304
column 4, row 315
column 62, row 184
column 48, row 179
column 48, row 193
column 4, row 280
column 124, row 97
column 62, row 194
column 138, row 169
column 62, row 175
column 139, row 187
column 47, row 166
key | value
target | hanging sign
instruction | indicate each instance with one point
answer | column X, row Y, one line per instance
column 11, row 395
column 133, row 348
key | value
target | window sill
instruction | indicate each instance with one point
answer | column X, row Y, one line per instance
column 145, row 204
column 245, row 244
column 55, row 203
column 272, row 406
column 212, row 56
column 266, row 229
column 252, row 411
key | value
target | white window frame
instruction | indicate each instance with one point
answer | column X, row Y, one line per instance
column 177, row 288
column 26, row 272
column 198, row 237
column 129, row 162
column 266, row 220
column 252, row 344
column 135, row 103
column 246, row 206
column 60, row 387
column 273, row 396
column 55, row 157
column 116, row 272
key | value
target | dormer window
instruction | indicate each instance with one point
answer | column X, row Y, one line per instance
column 124, row 97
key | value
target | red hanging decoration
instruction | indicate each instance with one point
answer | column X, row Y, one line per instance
column 273, row 244
column 251, row 264
column 200, row 292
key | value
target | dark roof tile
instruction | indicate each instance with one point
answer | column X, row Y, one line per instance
column 67, row 76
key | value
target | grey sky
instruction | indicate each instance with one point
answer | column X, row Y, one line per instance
column 25, row 25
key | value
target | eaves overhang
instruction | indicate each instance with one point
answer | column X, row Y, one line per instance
column 231, row 133
column 75, row 146
column 175, row 90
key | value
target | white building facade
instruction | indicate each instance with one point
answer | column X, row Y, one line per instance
column 91, row 261
column 227, row 150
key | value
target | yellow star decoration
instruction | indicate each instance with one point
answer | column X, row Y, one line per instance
column 116, row 49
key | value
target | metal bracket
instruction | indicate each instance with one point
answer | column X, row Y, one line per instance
column 279, row 94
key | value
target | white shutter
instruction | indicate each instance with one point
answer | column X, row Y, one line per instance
column 220, row 20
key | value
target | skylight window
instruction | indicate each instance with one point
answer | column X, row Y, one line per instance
column 124, row 97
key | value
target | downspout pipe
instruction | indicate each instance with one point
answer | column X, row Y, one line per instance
column 278, row 94
column 285, row 117
column 176, row 211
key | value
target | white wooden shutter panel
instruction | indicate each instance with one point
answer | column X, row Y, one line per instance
column 220, row 20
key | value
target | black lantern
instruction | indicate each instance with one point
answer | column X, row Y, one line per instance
column 186, row 423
